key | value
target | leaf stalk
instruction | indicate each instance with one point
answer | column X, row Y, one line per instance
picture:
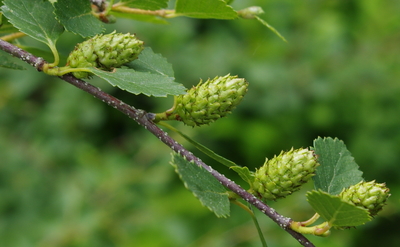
column 165, row 13
column 303, row 227
column 11, row 37
column 254, row 218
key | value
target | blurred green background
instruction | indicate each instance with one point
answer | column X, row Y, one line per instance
column 75, row 172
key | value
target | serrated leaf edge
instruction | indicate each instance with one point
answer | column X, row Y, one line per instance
column 325, row 139
column 334, row 215
column 93, row 69
column 194, row 194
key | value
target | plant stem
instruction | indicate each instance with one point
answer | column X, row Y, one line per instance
column 12, row 36
column 322, row 229
column 202, row 148
column 310, row 221
column 143, row 119
column 250, row 211
column 165, row 13
column 59, row 71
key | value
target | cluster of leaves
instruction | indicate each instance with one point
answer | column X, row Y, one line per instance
column 151, row 74
column 338, row 170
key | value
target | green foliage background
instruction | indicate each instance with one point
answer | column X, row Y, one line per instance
column 75, row 172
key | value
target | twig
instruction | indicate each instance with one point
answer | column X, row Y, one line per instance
column 142, row 118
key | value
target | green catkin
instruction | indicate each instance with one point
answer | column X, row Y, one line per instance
column 104, row 52
column 209, row 101
column 284, row 174
column 369, row 195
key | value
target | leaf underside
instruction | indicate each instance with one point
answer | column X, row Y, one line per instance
column 203, row 185
column 335, row 211
column 141, row 82
column 6, row 63
column 150, row 75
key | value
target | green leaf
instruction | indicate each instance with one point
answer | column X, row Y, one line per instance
column 6, row 63
column 335, row 211
column 35, row 18
column 203, row 185
column 141, row 82
column 77, row 17
column 244, row 173
column 146, row 4
column 206, row 9
column 150, row 74
column 149, row 61
column 338, row 169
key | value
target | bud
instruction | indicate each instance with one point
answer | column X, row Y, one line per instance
column 250, row 12
column 369, row 195
column 208, row 101
column 284, row 174
column 104, row 52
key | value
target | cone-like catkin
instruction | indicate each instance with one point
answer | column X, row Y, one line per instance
column 209, row 101
column 284, row 174
column 104, row 52
column 369, row 195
